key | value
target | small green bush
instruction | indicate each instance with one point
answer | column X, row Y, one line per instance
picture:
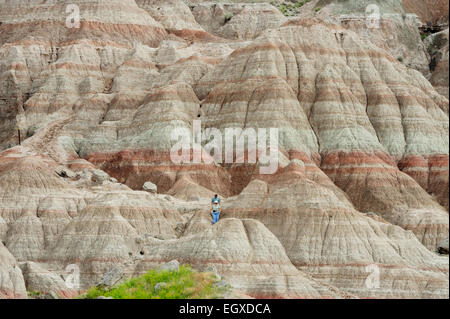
column 228, row 17
column 33, row 294
column 182, row 284
column 317, row 9
column 289, row 8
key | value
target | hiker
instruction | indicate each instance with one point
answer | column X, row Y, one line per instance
column 215, row 208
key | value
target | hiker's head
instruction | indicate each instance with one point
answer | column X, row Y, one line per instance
column 215, row 196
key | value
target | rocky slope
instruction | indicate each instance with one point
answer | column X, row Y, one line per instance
column 12, row 284
column 430, row 12
column 437, row 46
column 396, row 26
column 362, row 180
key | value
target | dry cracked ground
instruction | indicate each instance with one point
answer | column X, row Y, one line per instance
column 362, row 182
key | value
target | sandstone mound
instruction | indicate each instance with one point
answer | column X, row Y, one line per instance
column 391, row 25
column 42, row 210
column 36, row 204
column 431, row 12
column 46, row 65
column 147, row 139
column 12, row 284
column 331, row 240
column 105, row 233
column 39, row 279
column 360, row 151
column 362, row 179
column 238, row 21
column 437, row 46
column 246, row 253
column 187, row 189
column 107, row 21
column 177, row 19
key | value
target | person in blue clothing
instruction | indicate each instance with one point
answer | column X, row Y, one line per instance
column 215, row 208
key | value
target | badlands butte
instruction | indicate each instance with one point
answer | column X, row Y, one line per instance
column 362, row 184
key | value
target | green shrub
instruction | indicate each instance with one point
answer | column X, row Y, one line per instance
column 300, row 4
column 182, row 284
column 289, row 8
column 400, row 59
column 317, row 9
column 33, row 294
column 283, row 9
column 228, row 17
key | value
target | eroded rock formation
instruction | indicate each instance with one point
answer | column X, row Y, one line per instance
column 12, row 284
column 362, row 177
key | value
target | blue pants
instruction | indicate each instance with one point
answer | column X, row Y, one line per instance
column 215, row 217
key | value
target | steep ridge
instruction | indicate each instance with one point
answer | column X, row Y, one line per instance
column 437, row 46
column 142, row 150
column 362, row 178
column 39, row 280
column 101, row 89
column 246, row 252
column 40, row 53
column 12, row 284
column 107, row 21
column 384, row 23
column 114, row 225
column 237, row 21
column 176, row 17
column 431, row 12
column 359, row 148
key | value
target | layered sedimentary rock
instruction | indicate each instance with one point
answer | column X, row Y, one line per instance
column 40, row 280
column 431, row 12
column 12, row 284
column 384, row 23
column 176, row 17
column 245, row 252
column 92, row 222
column 40, row 52
column 185, row 188
column 341, row 109
column 115, row 225
column 362, row 179
column 142, row 148
column 111, row 21
column 108, row 226
column 243, row 21
column 334, row 242
column 437, row 46
column 37, row 205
